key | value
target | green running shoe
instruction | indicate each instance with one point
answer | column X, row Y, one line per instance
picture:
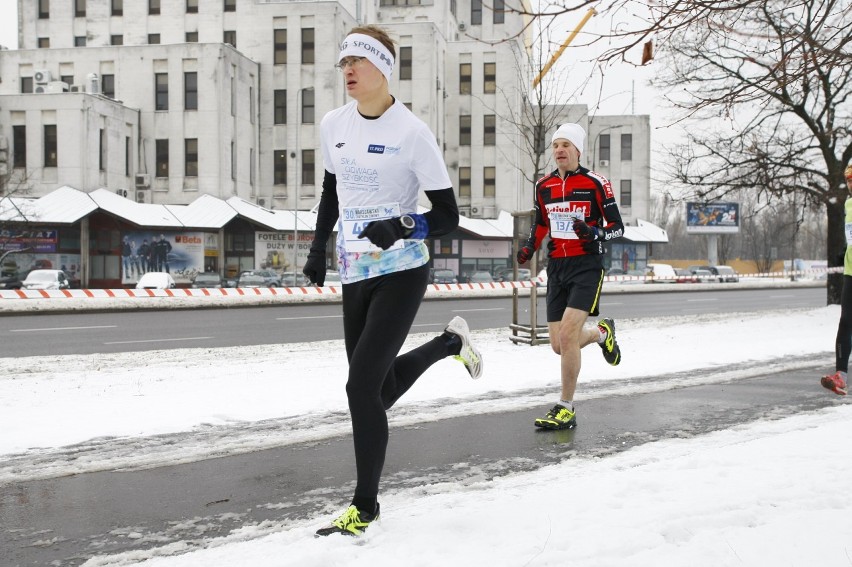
column 611, row 352
column 352, row 522
column 559, row 417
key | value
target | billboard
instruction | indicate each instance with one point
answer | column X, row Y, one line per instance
column 712, row 218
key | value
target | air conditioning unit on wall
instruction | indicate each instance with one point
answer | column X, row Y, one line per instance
column 142, row 180
column 604, row 163
column 475, row 211
column 141, row 196
column 42, row 76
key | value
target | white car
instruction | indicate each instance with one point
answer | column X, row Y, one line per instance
column 155, row 280
column 46, row 279
column 660, row 273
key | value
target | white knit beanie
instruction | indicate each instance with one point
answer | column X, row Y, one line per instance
column 574, row 133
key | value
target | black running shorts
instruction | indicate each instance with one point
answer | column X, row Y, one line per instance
column 573, row 282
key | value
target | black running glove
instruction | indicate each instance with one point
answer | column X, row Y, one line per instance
column 383, row 233
column 524, row 254
column 593, row 247
column 314, row 268
column 586, row 232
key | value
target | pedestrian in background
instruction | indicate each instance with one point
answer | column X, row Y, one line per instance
column 577, row 209
column 843, row 343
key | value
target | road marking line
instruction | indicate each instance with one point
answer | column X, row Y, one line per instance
column 158, row 341
column 61, row 329
column 316, row 317
column 700, row 300
column 489, row 309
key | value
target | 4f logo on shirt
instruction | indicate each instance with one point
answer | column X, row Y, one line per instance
column 339, row 145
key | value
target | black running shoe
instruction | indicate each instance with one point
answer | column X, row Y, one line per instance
column 559, row 417
column 352, row 522
column 611, row 352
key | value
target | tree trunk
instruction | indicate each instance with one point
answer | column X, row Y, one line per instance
column 836, row 249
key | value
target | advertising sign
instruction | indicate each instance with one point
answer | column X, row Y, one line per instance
column 180, row 254
column 275, row 250
column 712, row 218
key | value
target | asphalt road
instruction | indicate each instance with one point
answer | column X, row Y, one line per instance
column 65, row 521
column 30, row 334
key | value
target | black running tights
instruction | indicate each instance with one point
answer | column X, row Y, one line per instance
column 377, row 316
column 843, row 343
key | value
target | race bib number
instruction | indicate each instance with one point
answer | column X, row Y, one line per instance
column 356, row 218
column 849, row 234
column 562, row 224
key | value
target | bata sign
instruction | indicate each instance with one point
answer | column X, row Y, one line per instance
column 486, row 248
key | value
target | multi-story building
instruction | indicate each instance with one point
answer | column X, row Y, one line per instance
column 167, row 100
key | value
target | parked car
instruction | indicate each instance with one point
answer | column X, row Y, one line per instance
column 619, row 276
column 507, row 275
column 270, row 277
column 155, row 280
column 250, row 279
column 293, row 279
column 207, row 280
column 10, row 279
column 685, row 276
column 480, row 276
column 442, row 275
column 725, row 273
column 704, row 276
column 46, row 279
column 660, row 273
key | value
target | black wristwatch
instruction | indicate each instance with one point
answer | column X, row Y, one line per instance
column 408, row 224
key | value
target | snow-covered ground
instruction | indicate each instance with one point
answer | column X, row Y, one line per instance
column 769, row 493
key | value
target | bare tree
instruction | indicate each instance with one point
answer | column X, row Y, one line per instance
column 780, row 77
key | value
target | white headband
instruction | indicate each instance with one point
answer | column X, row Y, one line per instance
column 361, row 45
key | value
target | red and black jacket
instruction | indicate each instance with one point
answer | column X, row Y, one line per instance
column 582, row 192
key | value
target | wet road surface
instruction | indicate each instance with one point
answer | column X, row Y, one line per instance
column 67, row 520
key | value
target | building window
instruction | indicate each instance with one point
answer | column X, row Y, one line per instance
column 405, row 63
column 19, row 146
column 489, row 78
column 190, row 91
column 230, row 37
column 464, row 130
column 476, row 12
column 153, row 39
column 604, row 147
column 233, row 161
column 251, row 167
column 67, row 79
column 80, row 41
column 307, row 46
column 233, row 94
column 465, row 78
column 43, row 9
column 26, row 85
column 153, row 7
column 499, row 8
column 308, row 106
column 280, row 47
column 489, row 130
column 116, row 40
column 464, row 182
column 279, row 177
column 308, row 167
column 191, row 6
column 280, row 115
column 626, row 193
column 117, row 8
column 230, row 5
column 161, row 86
column 489, row 181
column 108, row 85
column 162, row 151
column 44, row 43
column 50, row 146
column 102, row 150
column 191, row 157
column 127, row 154
column 626, row 147
column 539, row 143
column 79, row 8
column 191, row 37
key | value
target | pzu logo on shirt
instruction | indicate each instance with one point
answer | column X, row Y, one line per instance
column 381, row 149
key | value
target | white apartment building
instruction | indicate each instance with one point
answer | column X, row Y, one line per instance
column 224, row 97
